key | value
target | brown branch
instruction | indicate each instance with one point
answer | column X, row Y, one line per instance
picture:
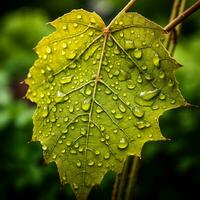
column 183, row 16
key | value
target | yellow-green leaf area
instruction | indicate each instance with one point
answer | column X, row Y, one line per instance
column 99, row 93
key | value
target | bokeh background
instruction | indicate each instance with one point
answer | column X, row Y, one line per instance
column 169, row 170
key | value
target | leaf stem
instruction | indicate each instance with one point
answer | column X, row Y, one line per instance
column 125, row 9
column 183, row 16
column 171, row 38
column 121, row 180
column 132, row 178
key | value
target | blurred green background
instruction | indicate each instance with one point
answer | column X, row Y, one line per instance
column 169, row 170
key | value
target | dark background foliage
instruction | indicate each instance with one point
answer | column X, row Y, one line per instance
column 169, row 170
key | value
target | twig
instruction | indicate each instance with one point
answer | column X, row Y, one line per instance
column 183, row 16
column 171, row 38
column 174, row 14
column 132, row 178
column 125, row 9
column 121, row 181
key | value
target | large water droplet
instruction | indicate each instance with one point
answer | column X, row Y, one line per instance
column 59, row 97
column 118, row 116
column 138, row 53
column 123, row 76
column 138, row 112
column 123, row 144
column 122, row 108
column 86, row 104
column 156, row 60
column 66, row 79
column 91, row 163
column 148, row 95
column 45, row 111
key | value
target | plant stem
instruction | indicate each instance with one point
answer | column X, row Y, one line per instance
column 181, row 17
column 121, row 181
column 171, row 38
column 132, row 178
column 176, row 31
column 174, row 14
column 125, row 9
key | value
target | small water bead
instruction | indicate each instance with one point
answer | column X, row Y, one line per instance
column 76, row 145
column 121, row 35
column 44, row 148
column 73, row 66
column 107, row 156
column 83, row 131
column 142, row 124
column 80, row 149
column 99, row 109
column 121, row 23
column 63, row 151
column 148, row 95
column 116, row 72
column 138, row 53
column 78, row 16
column 68, row 143
column 97, row 152
column 75, row 25
column 64, row 27
column 123, row 144
column 116, row 51
column 66, row 79
column 48, row 49
column 86, row 104
column 91, row 33
column 118, row 116
column 75, row 186
column 138, row 112
column 91, row 163
column 99, row 164
column 71, row 109
column 78, row 163
column 148, row 76
column 161, row 75
column 144, row 67
column 64, row 45
column 129, row 44
column 171, row 83
column 130, row 85
column 71, row 55
column 156, row 60
column 122, row 108
column 110, row 43
column 107, row 137
column 88, row 91
column 162, row 97
column 155, row 107
column 139, row 79
column 173, row 101
column 45, row 111
column 73, row 151
column 102, row 139
column 54, row 156
column 113, row 111
column 92, row 20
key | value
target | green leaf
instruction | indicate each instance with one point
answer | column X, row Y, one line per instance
column 99, row 93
